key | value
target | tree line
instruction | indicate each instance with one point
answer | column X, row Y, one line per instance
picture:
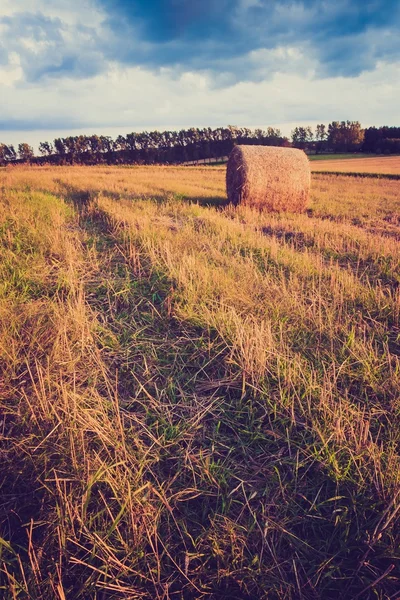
column 347, row 136
column 174, row 147
column 165, row 147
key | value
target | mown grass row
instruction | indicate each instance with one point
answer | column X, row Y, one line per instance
column 196, row 403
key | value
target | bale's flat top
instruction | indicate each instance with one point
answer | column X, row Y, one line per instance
column 272, row 154
column 250, row 150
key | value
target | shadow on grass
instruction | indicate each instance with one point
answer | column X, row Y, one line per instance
column 298, row 239
column 205, row 201
column 82, row 199
column 217, row 201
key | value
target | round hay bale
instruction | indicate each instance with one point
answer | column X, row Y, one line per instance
column 269, row 178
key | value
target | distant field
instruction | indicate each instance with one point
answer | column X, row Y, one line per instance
column 197, row 401
column 381, row 165
column 347, row 155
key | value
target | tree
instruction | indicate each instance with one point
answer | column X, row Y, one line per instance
column 70, row 145
column 25, row 152
column 376, row 139
column 46, row 148
column 3, row 151
column 7, row 153
column 59, row 146
column 302, row 136
column 320, row 137
column 83, row 144
column 120, row 143
column 131, row 141
column 354, row 136
column 107, row 144
column 346, row 136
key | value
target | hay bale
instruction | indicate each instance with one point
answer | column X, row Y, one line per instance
column 269, row 178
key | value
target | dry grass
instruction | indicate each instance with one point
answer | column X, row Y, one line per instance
column 268, row 178
column 197, row 402
column 389, row 165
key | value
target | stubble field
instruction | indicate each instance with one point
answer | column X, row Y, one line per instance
column 197, row 401
column 386, row 165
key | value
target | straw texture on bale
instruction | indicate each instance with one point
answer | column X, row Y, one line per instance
column 269, row 178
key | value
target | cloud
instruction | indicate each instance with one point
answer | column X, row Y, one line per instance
column 162, row 21
column 347, row 37
column 230, row 40
column 134, row 99
column 46, row 46
column 40, row 123
column 3, row 55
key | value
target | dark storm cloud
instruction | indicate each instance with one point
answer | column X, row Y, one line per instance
column 163, row 21
column 199, row 34
column 221, row 37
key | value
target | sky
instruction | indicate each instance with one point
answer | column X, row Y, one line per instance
column 115, row 66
